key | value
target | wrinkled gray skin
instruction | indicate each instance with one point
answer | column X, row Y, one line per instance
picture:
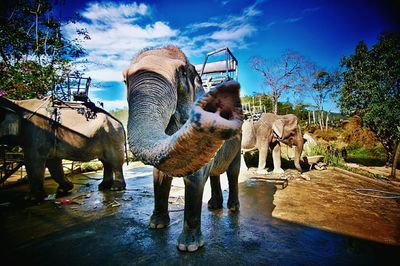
column 183, row 131
column 268, row 132
column 45, row 143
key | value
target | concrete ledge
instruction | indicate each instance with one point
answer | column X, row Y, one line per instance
column 378, row 182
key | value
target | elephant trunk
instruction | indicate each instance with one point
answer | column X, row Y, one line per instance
column 298, row 150
column 152, row 101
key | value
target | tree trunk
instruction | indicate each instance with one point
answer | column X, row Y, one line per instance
column 395, row 160
column 320, row 120
column 313, row 116
column 326, row 121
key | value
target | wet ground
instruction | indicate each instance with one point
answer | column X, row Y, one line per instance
column 320, row 218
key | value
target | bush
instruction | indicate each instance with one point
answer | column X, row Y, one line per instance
column 329, row 135
column 91, row 166
column 354, row 134
column 368, row 156
column 332, row 155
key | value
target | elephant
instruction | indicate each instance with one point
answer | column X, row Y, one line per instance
column 181, row 130
column 48, row 133
column 268, row 132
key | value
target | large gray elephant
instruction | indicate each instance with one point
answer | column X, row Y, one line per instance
column 49, row 133
column 268, row 132
column 183, row 132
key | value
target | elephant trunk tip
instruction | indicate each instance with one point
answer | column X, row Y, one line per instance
column 220, row 111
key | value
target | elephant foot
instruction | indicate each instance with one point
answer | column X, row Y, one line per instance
column 215, row 203
column 36, row 196
column 65, row 188
column 278, row 171
column 262, row 172
column 118, row 186
column 159, row 221
column 105, row 185
column 190, row 240
column 233, row 205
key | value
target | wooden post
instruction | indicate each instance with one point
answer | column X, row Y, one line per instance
column 395, row 160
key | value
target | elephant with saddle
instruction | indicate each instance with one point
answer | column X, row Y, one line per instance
column 183, row 131
column 49, row 133
column 269, row 132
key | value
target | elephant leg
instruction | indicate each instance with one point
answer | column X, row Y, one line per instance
column 57, row 173
column 35, row 170
column 191, row 238
column 276, row 156
column 162, row 186
column 119, row 181
column 233, row 176
column 107, row 181
column 262, row 159
column 216, row 200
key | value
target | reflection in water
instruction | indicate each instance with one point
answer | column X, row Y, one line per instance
column 257, row 198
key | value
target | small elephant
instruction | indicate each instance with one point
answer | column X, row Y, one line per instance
column 268, row 132
column 183, row 132
column 49, row 134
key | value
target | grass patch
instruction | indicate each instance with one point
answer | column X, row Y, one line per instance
column 362, row 172
column 91, row 166
column 368, row 156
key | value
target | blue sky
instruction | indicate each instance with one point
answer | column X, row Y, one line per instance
column 322, row 31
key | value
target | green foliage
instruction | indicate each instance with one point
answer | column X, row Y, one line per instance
column 371, row 88
column 33, row 50
column 267, row 106
column 325, row 86
column 122, row 115
column 254, row 102
column 369, row 156
column 327, row 151
column 91, row 166
column 300, row 110
column 25, row 80
column 315, row 150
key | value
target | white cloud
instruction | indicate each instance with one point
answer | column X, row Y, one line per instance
column 119, row 31
column 236, row 33
column 116, row 36
column 231, row 30
column 305, row 12
column 110, row 11
column 292, row 20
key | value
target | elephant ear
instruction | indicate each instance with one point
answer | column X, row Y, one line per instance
column 277, row 127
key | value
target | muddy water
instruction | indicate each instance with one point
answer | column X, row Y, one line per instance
column 317, row 222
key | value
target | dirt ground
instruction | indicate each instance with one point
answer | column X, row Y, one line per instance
column 328, row 217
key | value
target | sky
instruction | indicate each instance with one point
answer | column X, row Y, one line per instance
column 323, row 31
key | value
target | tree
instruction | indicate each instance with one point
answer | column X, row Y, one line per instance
column 324, row 90
column 281, row 75
column 371, row 89
column 258, row 103
column 33, row 50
